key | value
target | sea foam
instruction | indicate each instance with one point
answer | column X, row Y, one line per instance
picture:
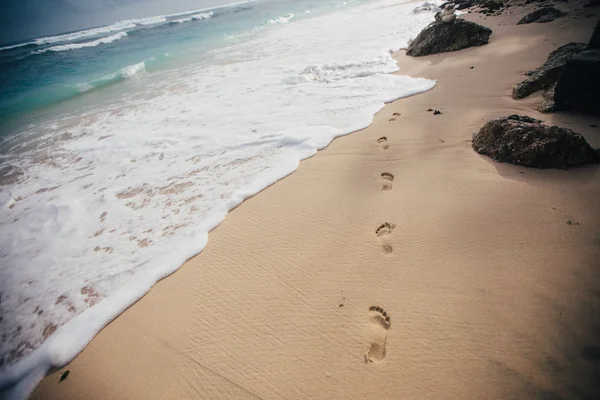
column 106, row 202
column 281, row 20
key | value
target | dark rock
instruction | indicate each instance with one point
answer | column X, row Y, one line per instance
column 486, row 5
column 548, row 105
column 491, row 5
column 545, row 14
column 578, row 88
column 595, row 39
column 64, row 376
column 549, row 72
column 465, row 4
column 439, row 37
column 593, row 3
column 549, row 92
column 527, row 141
column 437, row 112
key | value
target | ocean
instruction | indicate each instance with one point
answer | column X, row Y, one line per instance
column 122, row 146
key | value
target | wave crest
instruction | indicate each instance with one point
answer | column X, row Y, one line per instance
column 76, row 46
column 195, row 17
column 111, row 79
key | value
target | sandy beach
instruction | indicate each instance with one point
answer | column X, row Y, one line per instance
column 396, row 264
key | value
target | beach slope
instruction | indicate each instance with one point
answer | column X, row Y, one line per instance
column 397, row 263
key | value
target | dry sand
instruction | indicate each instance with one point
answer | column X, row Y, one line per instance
column 489, row 292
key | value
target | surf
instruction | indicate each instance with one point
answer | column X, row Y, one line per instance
column 172, row 128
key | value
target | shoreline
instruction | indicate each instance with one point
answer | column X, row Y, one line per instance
column 266, row 309
column 68, row 340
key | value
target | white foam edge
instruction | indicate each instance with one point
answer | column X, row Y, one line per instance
column 20, row 379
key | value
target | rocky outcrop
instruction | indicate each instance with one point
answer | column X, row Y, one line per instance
column 595, row 39
column 578, row 88
column 440, row 37
column 489, row 7
column 461, row 5
column 544, row 14
column 526, row 141
column 548, row 104
column 549, row 72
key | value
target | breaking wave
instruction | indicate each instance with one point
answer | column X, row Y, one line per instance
column 195, row 17
column 76, row 46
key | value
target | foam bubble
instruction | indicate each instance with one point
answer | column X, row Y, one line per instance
column 281, row 20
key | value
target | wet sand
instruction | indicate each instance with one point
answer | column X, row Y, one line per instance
column 395, row 264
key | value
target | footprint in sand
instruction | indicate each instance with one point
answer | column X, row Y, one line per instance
column 380, row 324
column 383, row 142
column 387, row 249
column 384, row 229
column 394, row 117
column 388, row 178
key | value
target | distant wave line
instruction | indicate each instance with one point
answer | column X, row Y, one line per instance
column 76, row 46
column 120, row 26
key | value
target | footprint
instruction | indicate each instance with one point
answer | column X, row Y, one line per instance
column 388, row 178
column 380, row 324
column 394, row 116
column 385, row 229
column 387, row 249
column 383, row 142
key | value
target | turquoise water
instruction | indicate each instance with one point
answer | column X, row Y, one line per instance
column 33, row 76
